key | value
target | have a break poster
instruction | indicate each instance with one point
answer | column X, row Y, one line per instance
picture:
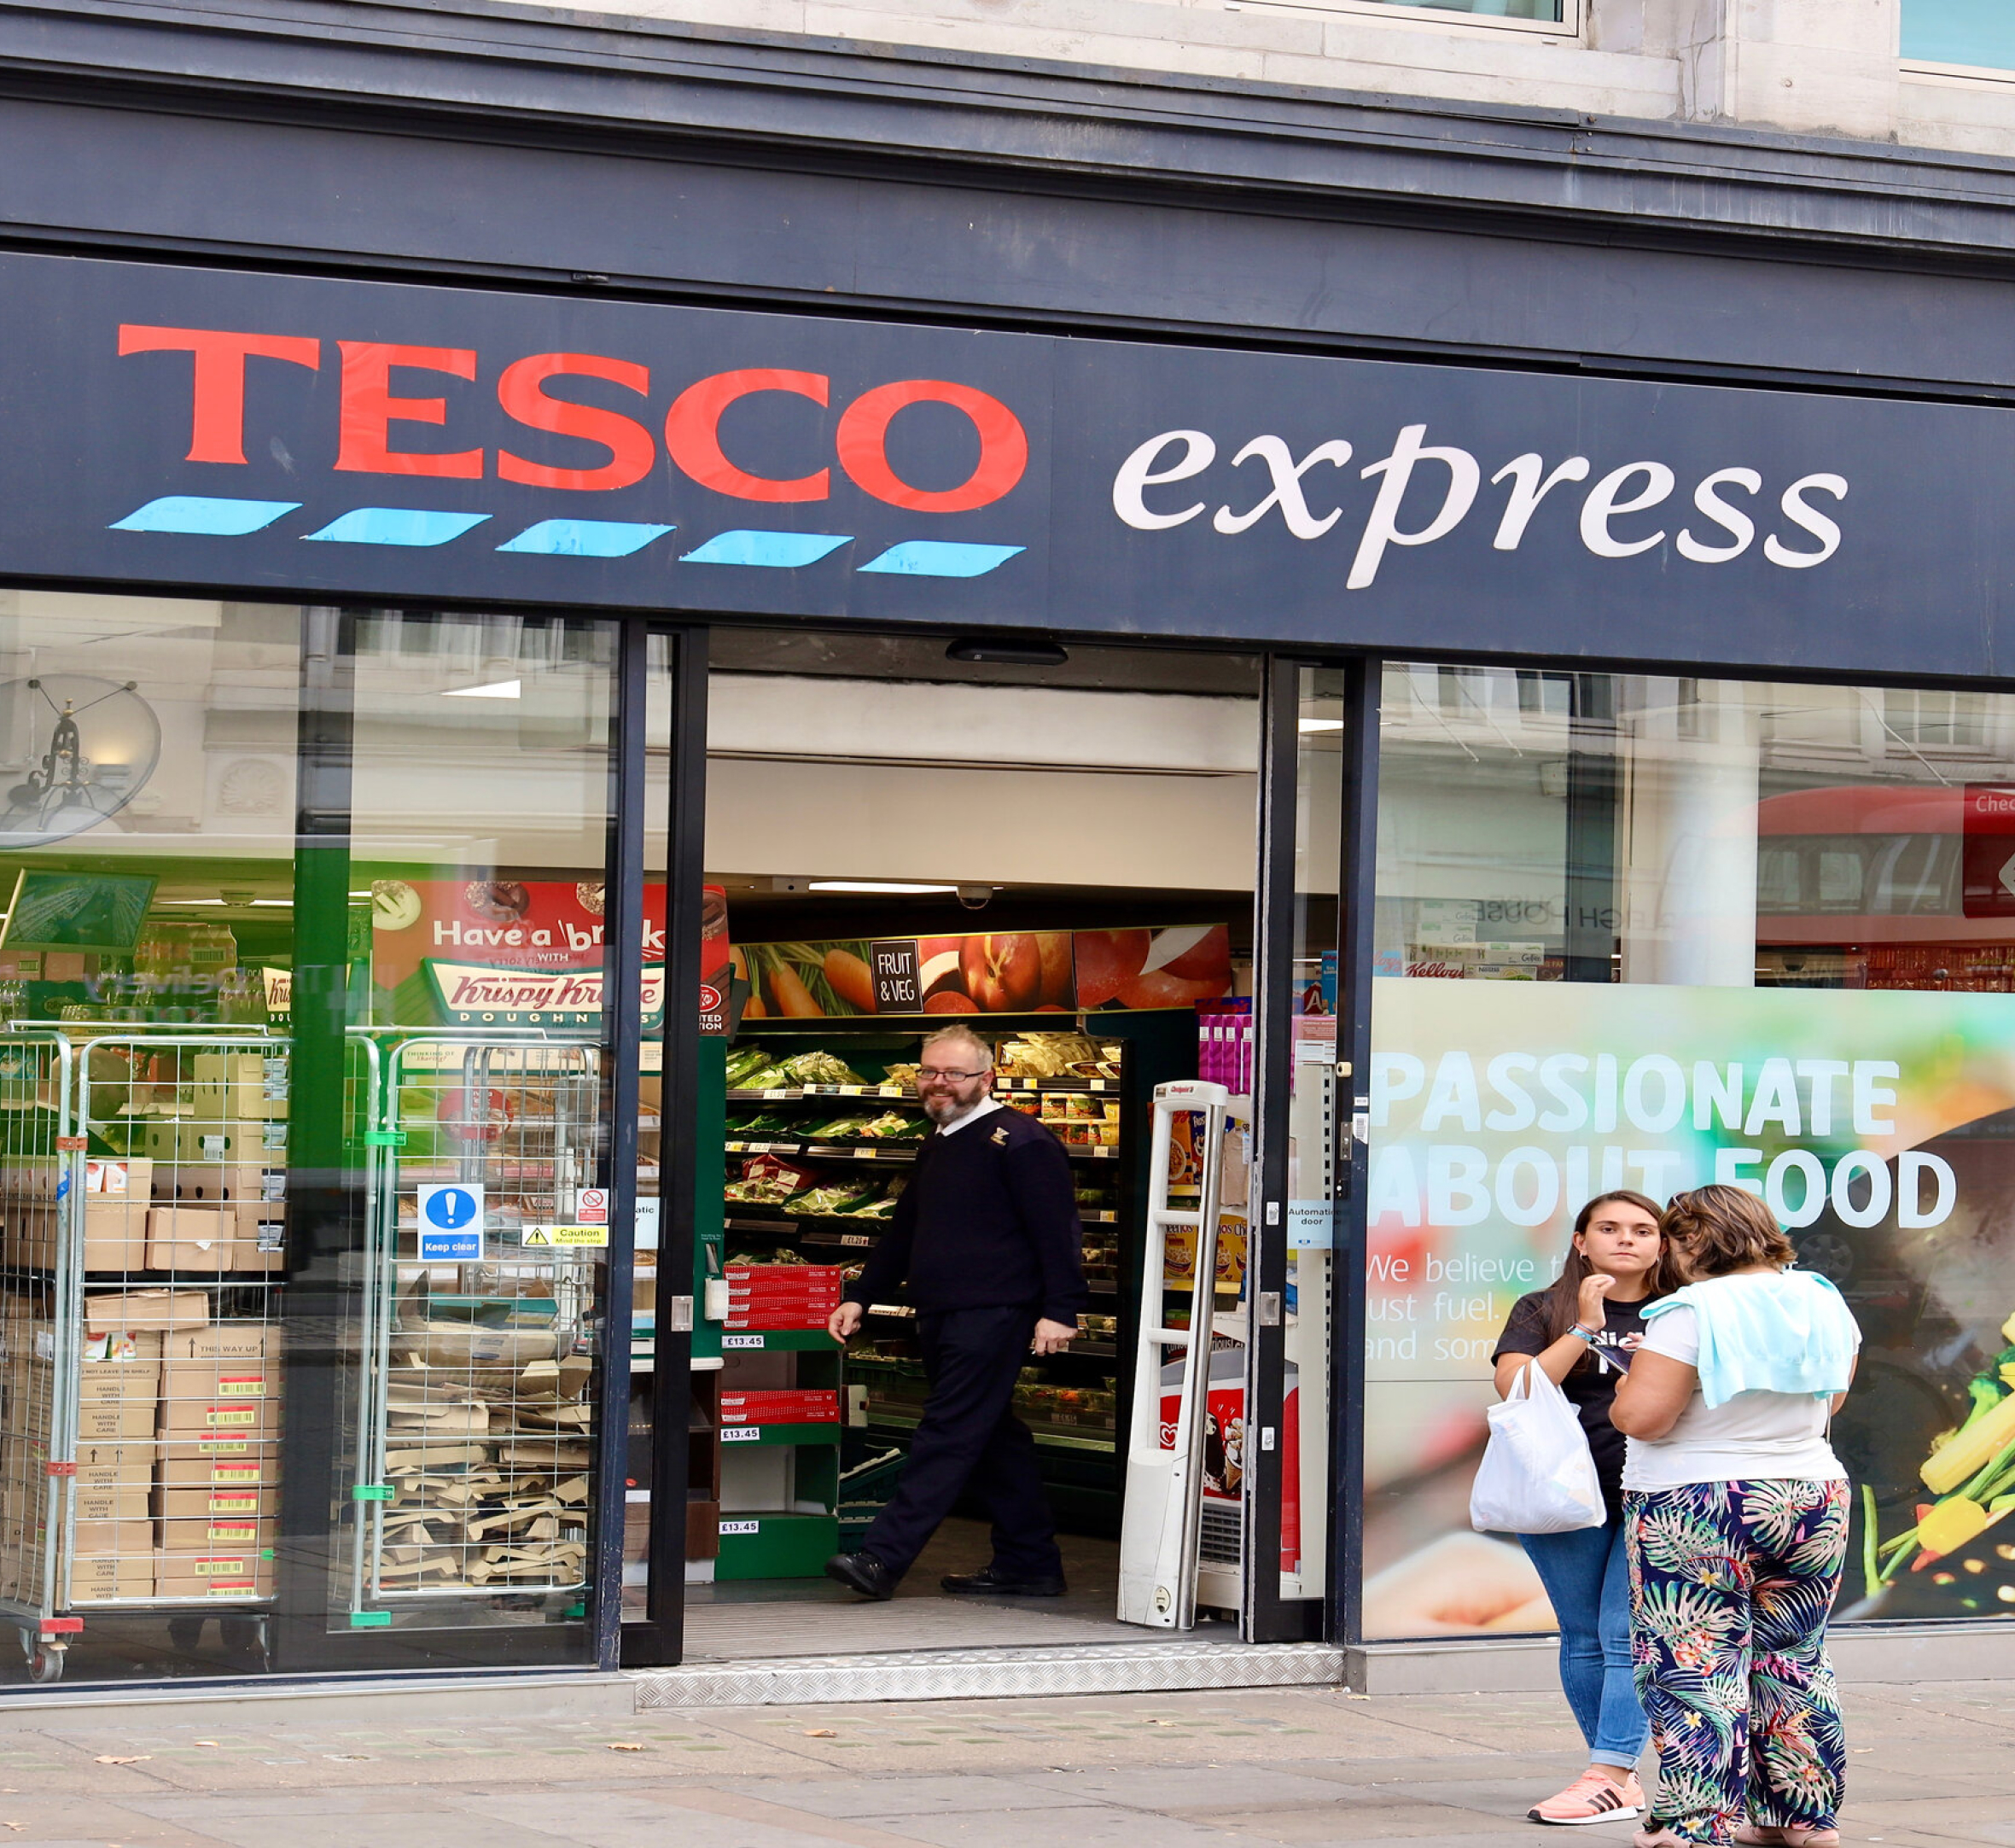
column 517, row 954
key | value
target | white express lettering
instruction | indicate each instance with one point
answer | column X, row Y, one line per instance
column 1286, row 493
column 1733, row 519
column 1138, row 471
column 1383, row 528
column 1528, row 489
column 1635, row 487
column 1814, row 521
column 1604, row 502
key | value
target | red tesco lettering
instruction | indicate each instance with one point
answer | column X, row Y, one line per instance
column 371, row 405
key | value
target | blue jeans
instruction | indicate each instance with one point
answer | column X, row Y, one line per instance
column 1587, row 1575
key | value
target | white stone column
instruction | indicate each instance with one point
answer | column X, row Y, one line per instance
column 1818, row 67
column 1690, row 837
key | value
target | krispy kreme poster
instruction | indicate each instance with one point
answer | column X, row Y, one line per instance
column 521, row 953
column 1879, row 1127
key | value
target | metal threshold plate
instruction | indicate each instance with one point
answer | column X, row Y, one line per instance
column 990, row 1674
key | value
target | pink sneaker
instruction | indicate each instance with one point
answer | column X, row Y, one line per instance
column 1593, row 1797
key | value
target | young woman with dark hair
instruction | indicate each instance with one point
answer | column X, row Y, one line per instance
column 1735, row 1511
column 1578, row 1331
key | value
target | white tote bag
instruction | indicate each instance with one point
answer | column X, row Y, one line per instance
column 1536, row 1476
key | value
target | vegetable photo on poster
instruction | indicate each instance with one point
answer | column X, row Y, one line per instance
column 1879, row 1128
column 987, row 972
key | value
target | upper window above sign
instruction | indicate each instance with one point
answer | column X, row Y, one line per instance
column 1524, row 12
column 1979, row 34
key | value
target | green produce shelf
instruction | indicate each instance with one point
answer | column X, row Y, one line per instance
column 777, row 1341
column 775, row 1546
column 773, row 1435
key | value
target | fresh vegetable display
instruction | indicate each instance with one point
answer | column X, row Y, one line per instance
column 741, row 1061
column 1970, row 1471
column 753, row 1068
column 838, row 1197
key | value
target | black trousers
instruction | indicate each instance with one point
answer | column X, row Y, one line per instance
column 969, row 1436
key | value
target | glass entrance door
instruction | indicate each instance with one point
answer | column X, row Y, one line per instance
column 1303, row 1075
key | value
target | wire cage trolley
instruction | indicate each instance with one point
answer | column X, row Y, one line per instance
column 143, row 1225
column 473, row 1402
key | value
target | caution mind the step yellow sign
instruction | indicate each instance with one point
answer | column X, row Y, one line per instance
column 552, row 1237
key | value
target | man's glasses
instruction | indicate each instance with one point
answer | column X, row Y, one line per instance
column 933, row 1075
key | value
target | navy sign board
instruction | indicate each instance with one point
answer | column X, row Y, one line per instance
column 451, row 1224
column 276, row 435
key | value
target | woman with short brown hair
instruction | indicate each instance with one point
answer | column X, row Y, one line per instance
column 1735, row 1516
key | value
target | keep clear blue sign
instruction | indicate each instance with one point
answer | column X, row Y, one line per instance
column 451, row 1224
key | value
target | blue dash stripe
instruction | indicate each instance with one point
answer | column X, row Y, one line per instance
column 585, row 538
column 218, row 517
column 398, row 526
column 941, row 558
column 745, row 547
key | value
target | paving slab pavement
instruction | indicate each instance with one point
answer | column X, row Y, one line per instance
column 1931, row 1767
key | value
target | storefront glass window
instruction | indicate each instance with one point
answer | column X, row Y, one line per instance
column 1980, row 33
column 301, row 1079
column 480, row 845
column 1732, row 931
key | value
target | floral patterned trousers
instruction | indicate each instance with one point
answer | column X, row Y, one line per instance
column 1729, row 1586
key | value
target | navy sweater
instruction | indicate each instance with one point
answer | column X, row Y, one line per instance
column 988, row 1220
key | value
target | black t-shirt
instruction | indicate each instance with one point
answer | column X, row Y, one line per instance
column 1589, row 1389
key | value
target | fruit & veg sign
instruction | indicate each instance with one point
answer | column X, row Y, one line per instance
column 988, row 972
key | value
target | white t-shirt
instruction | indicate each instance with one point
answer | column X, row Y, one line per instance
column 1755, row 1436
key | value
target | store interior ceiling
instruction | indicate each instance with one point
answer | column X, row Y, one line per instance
column 1114, row 786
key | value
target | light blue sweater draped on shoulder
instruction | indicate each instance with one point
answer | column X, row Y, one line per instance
column 1770, row 1332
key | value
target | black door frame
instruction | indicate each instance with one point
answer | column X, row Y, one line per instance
column 1333, row 1616
column 1357, row 869
column 658, row 1638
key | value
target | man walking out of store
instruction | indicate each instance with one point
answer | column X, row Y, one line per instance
column 986, row 1238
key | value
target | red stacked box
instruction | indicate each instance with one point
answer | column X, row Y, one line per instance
column 797, row 1405
column 782, row 1296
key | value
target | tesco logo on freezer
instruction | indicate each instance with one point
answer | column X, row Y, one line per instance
column 1427, row 490
column 383, row 394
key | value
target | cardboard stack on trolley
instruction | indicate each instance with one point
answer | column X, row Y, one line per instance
column 143, row 1227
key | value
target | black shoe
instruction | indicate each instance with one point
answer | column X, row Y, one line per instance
column 862, row 1573
column 989, row 1582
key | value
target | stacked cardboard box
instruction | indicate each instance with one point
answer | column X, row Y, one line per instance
column 217, row 1505
column 177, row 1453
column 23, row 1481
column 219, row 1173
column 119, row 1396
